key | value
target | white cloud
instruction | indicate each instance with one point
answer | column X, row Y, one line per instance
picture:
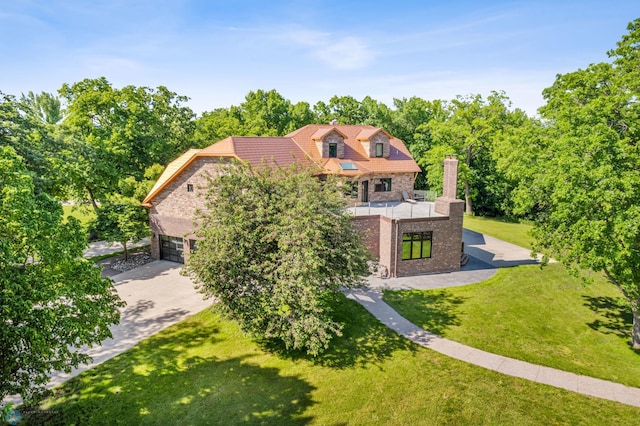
column 338, row 53
column 345, row 54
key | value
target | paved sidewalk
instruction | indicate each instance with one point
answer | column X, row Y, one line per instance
column 99, row 248
column 487, row 255
column 372, row 301
column 473, row 272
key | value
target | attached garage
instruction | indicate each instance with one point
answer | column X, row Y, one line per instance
column 172, row 248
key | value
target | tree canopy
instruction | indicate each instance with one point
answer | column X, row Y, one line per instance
column 276, row 247
column 52, row 300
column 581, row 170
column 119, row 133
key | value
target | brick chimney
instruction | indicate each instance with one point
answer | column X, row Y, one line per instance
column 450, row 181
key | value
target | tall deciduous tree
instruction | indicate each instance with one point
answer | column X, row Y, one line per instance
column 276, row 247
column 470, row 130
column 265, row 113
column 35, row 142
column 52, row 301
column 117, row 133
column 587, row 184
column 348, row 110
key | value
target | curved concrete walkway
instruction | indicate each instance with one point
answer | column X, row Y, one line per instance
column 494, row 253
column 372, row 301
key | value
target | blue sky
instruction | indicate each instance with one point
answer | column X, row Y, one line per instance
column 215, row 52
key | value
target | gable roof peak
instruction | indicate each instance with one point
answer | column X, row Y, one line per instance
column 324, row 131
column 367, row 133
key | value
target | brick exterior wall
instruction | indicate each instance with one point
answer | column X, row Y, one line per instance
column 399, row 182
column 173, row 210
column 369, row 229
column 333, row 137
column 386, row 145
column 446, row 242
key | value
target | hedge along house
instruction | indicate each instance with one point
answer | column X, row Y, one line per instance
column 379, row 166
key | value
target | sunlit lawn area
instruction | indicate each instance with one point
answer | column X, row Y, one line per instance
column 83, row 213
column 542, row 316
column 511, row 232
column 204, row 371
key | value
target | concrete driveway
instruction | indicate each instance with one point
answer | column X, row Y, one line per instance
column 157, row 296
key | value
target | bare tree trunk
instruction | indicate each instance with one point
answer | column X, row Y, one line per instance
column 93, row 200
column 126, row 255
column 635, row 336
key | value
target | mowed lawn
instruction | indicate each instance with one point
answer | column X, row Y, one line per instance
column 511, row 232
column 205, row 371
column 540, row 315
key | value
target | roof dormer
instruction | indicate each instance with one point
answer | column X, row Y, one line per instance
column 330, row 142
column 375, row 142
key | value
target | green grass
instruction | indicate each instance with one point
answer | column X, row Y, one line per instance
column 205, row 371
column 83, row 213
column 543, row 316
column 512, row 232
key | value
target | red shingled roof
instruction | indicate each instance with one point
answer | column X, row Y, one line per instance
column 299, row 146
column 399, row 160
column 279, row 151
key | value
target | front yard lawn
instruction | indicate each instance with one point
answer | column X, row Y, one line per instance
column 205, row 371
column 544, row 316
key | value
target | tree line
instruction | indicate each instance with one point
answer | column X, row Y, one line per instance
column 103, row 146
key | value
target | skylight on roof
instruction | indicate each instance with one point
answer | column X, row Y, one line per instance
column 348, row 166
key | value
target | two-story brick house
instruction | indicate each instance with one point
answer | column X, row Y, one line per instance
column 378, row 165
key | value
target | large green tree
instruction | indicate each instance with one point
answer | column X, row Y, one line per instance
column 470, row 129
column 118, row 133
column 276, row 248
column 27, row 126
column 52, row 302
column 122, row 218
column 263, row 113
column 586, row 185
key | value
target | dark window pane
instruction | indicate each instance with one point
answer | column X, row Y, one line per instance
column 333, row 150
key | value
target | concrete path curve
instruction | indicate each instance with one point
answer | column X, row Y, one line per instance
column 489, row 254
column 372, row 301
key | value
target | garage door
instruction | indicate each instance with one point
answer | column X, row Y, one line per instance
column 172, row 248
